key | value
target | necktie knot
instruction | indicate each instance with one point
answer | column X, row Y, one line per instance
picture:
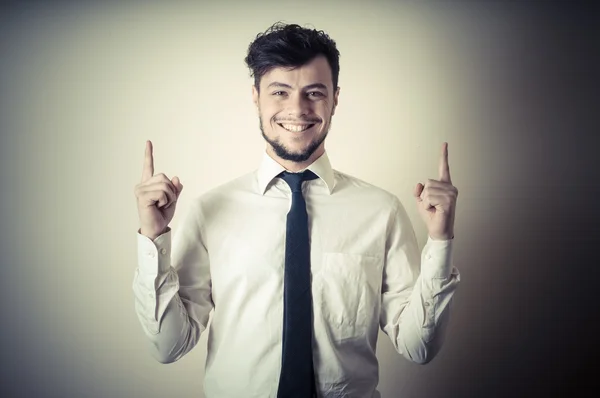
column 294, row 180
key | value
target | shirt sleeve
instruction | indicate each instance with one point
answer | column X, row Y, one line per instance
column 172, row 289
column 417, row 289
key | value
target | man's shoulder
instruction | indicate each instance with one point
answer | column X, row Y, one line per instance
column 350, row 185
column 242, row 183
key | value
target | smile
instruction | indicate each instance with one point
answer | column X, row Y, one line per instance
column 295, row 128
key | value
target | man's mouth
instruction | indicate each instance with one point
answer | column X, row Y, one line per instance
column 296, row 128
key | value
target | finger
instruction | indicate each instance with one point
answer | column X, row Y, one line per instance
column 437, row 191
column 444, row 168
column 433, row 200
column 151, row 198
column 418, row 190
column 178, row 188
column 154, row 180
column 159, row 177
column 438, row 184
column 171, row 192
column 148, row 170
column 178, row 185
column 167, row 188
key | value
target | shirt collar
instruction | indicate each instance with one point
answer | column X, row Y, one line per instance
column 269, row 169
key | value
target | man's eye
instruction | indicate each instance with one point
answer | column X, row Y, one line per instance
column 315, row 94
column 279, row 93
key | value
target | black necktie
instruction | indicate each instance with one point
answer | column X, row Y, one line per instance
column 297, row 376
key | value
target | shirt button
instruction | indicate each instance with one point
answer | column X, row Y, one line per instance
column 428, row 257
column 151, row 254
column 427, row 304
column 163, row 251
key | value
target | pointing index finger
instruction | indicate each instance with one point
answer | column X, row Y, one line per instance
column 148, row 170
column 444, row 168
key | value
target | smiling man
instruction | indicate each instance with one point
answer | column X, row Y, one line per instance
column 298, row 263
column 296, row 107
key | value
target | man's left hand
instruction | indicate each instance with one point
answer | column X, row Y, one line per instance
column 436, row 201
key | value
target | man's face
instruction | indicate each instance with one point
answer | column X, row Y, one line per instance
column 295, row 109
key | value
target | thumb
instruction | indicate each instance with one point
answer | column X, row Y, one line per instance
column 177, row 184
column 417, row 192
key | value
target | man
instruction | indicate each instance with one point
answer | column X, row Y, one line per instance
column 300, row 264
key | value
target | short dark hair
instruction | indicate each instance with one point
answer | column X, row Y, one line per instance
column 290, row 45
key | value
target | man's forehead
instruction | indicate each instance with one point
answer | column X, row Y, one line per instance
column 316, row 71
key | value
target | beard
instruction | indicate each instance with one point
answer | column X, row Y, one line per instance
column 282, row 152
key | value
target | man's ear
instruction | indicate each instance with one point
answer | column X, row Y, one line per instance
column 335, row 100
column 255, row 95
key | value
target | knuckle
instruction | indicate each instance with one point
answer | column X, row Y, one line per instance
column 166, row 187
column 139, row 191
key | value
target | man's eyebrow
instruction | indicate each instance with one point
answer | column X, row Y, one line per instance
column 316, row 85
column 277, row 84
column 310, row 86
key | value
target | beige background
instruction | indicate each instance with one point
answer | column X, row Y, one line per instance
column 83, row 85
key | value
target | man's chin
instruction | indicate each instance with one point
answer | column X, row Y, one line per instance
column 300, row 154
column 297, row 157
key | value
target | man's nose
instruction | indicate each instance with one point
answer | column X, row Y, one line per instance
column 298, row 105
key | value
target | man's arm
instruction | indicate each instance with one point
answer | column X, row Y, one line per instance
column 172, row 289
column 417, row 290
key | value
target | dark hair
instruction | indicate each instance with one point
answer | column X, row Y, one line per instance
column 290, row 45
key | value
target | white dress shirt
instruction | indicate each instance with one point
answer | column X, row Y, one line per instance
column 228, row 258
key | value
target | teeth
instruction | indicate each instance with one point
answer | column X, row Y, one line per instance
column 295, row 127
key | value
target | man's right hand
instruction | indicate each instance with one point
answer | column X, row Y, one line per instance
column 156, row 198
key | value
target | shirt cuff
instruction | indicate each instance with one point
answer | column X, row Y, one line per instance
column 436, row 262
column 154, row 255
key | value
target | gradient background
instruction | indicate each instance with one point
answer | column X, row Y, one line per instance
column 512, row 88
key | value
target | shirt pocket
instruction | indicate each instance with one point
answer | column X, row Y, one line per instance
column 348, row 289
